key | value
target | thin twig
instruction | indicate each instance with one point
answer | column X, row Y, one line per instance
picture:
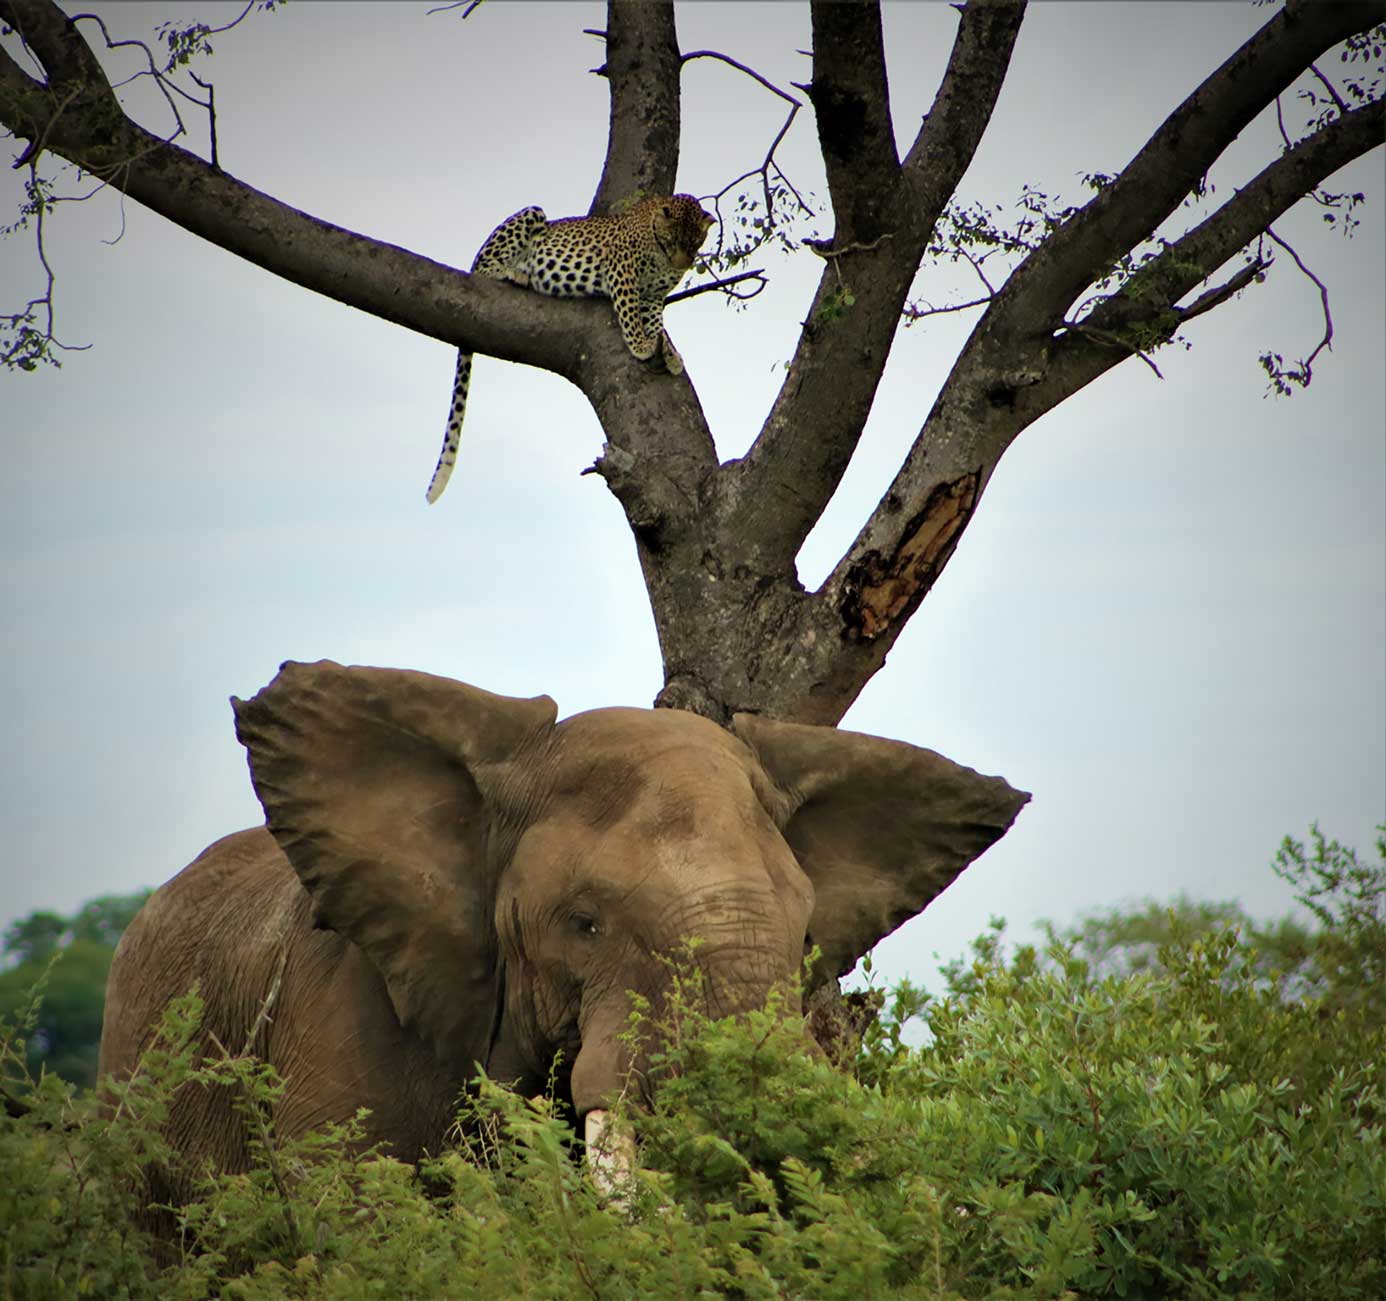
column 912, row 313
column 264, row 1014
column 256, row 1112
column 769, row 161
column 40, row 142
column 758, row 276
column 1280, row 122
column 976, row 264
column 168, row 87
column 825, row 250
column 27, row 338
column 1307, row 367
column 1330, row 88
column 1219, row 294
column 211, row 117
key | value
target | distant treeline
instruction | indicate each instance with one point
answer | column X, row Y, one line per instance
column 67, row 1035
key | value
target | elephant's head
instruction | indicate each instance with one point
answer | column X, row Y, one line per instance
column 512, row 878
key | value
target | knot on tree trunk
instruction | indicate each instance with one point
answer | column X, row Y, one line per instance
column 683, row 692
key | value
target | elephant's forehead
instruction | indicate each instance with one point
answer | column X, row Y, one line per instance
column 617, row 764
column 656, row 738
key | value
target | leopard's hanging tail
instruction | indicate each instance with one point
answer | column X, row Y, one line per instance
column 448, row 458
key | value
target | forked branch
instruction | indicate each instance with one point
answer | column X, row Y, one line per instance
column 767, row 226
column 885, row 218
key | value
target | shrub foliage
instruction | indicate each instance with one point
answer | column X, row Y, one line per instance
column 1202, row 1118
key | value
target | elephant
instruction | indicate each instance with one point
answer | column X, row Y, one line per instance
column 448, row 879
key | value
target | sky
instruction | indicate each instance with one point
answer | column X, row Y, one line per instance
column 1165, row 621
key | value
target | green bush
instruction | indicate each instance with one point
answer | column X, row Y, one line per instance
column 1196, row 1117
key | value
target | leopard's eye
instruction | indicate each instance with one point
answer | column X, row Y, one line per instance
column 667, row 210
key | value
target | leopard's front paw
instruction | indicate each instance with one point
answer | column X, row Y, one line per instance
column 672, row 361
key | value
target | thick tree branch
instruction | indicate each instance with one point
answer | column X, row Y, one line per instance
column 642, row 70
column 1147, row 304
column 851, row 102
column 775, row 495
column 903, row 548
column 78, row 117
column 952, row 129
column 1169, row 166
column 80, row 120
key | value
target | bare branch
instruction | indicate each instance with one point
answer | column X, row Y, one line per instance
column 1305, row 373
column 1219, row 294
column 262, row 1017
column 183, row 45
column 767, row 226
column 1280, row 122
column 469, row 6
column 1330, row 88
column 723, row 285
column 913, row 312
column 851, row 100
column 826, row 249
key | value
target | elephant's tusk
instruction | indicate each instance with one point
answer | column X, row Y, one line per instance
column 610, row 1155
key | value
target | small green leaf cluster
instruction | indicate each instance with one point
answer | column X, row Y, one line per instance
column 1148, row 1105
column 186, row 43
column 837, row 302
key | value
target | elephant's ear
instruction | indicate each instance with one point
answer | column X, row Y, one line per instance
column 380, row 787
column 879, row 826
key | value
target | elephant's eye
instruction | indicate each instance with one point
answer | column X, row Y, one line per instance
column 585, row 925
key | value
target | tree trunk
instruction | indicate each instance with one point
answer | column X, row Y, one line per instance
column 718, row 543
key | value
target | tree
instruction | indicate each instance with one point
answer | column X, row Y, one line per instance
column 1091, row 287
column 35, row 938
column 66, row 1036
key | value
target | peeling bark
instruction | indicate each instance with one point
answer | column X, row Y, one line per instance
column 882, row 591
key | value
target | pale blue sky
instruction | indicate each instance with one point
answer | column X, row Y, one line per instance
column 1166, row 620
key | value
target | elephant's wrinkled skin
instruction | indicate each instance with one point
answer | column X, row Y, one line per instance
column 449, row 877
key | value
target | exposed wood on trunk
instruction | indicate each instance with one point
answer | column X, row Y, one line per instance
column 882, row 591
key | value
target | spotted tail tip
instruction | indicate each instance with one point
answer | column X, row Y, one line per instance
column 440, row 481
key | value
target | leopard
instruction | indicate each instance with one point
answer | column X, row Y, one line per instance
column 635, row 258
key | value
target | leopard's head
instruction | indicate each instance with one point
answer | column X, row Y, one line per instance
column 681, row 225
